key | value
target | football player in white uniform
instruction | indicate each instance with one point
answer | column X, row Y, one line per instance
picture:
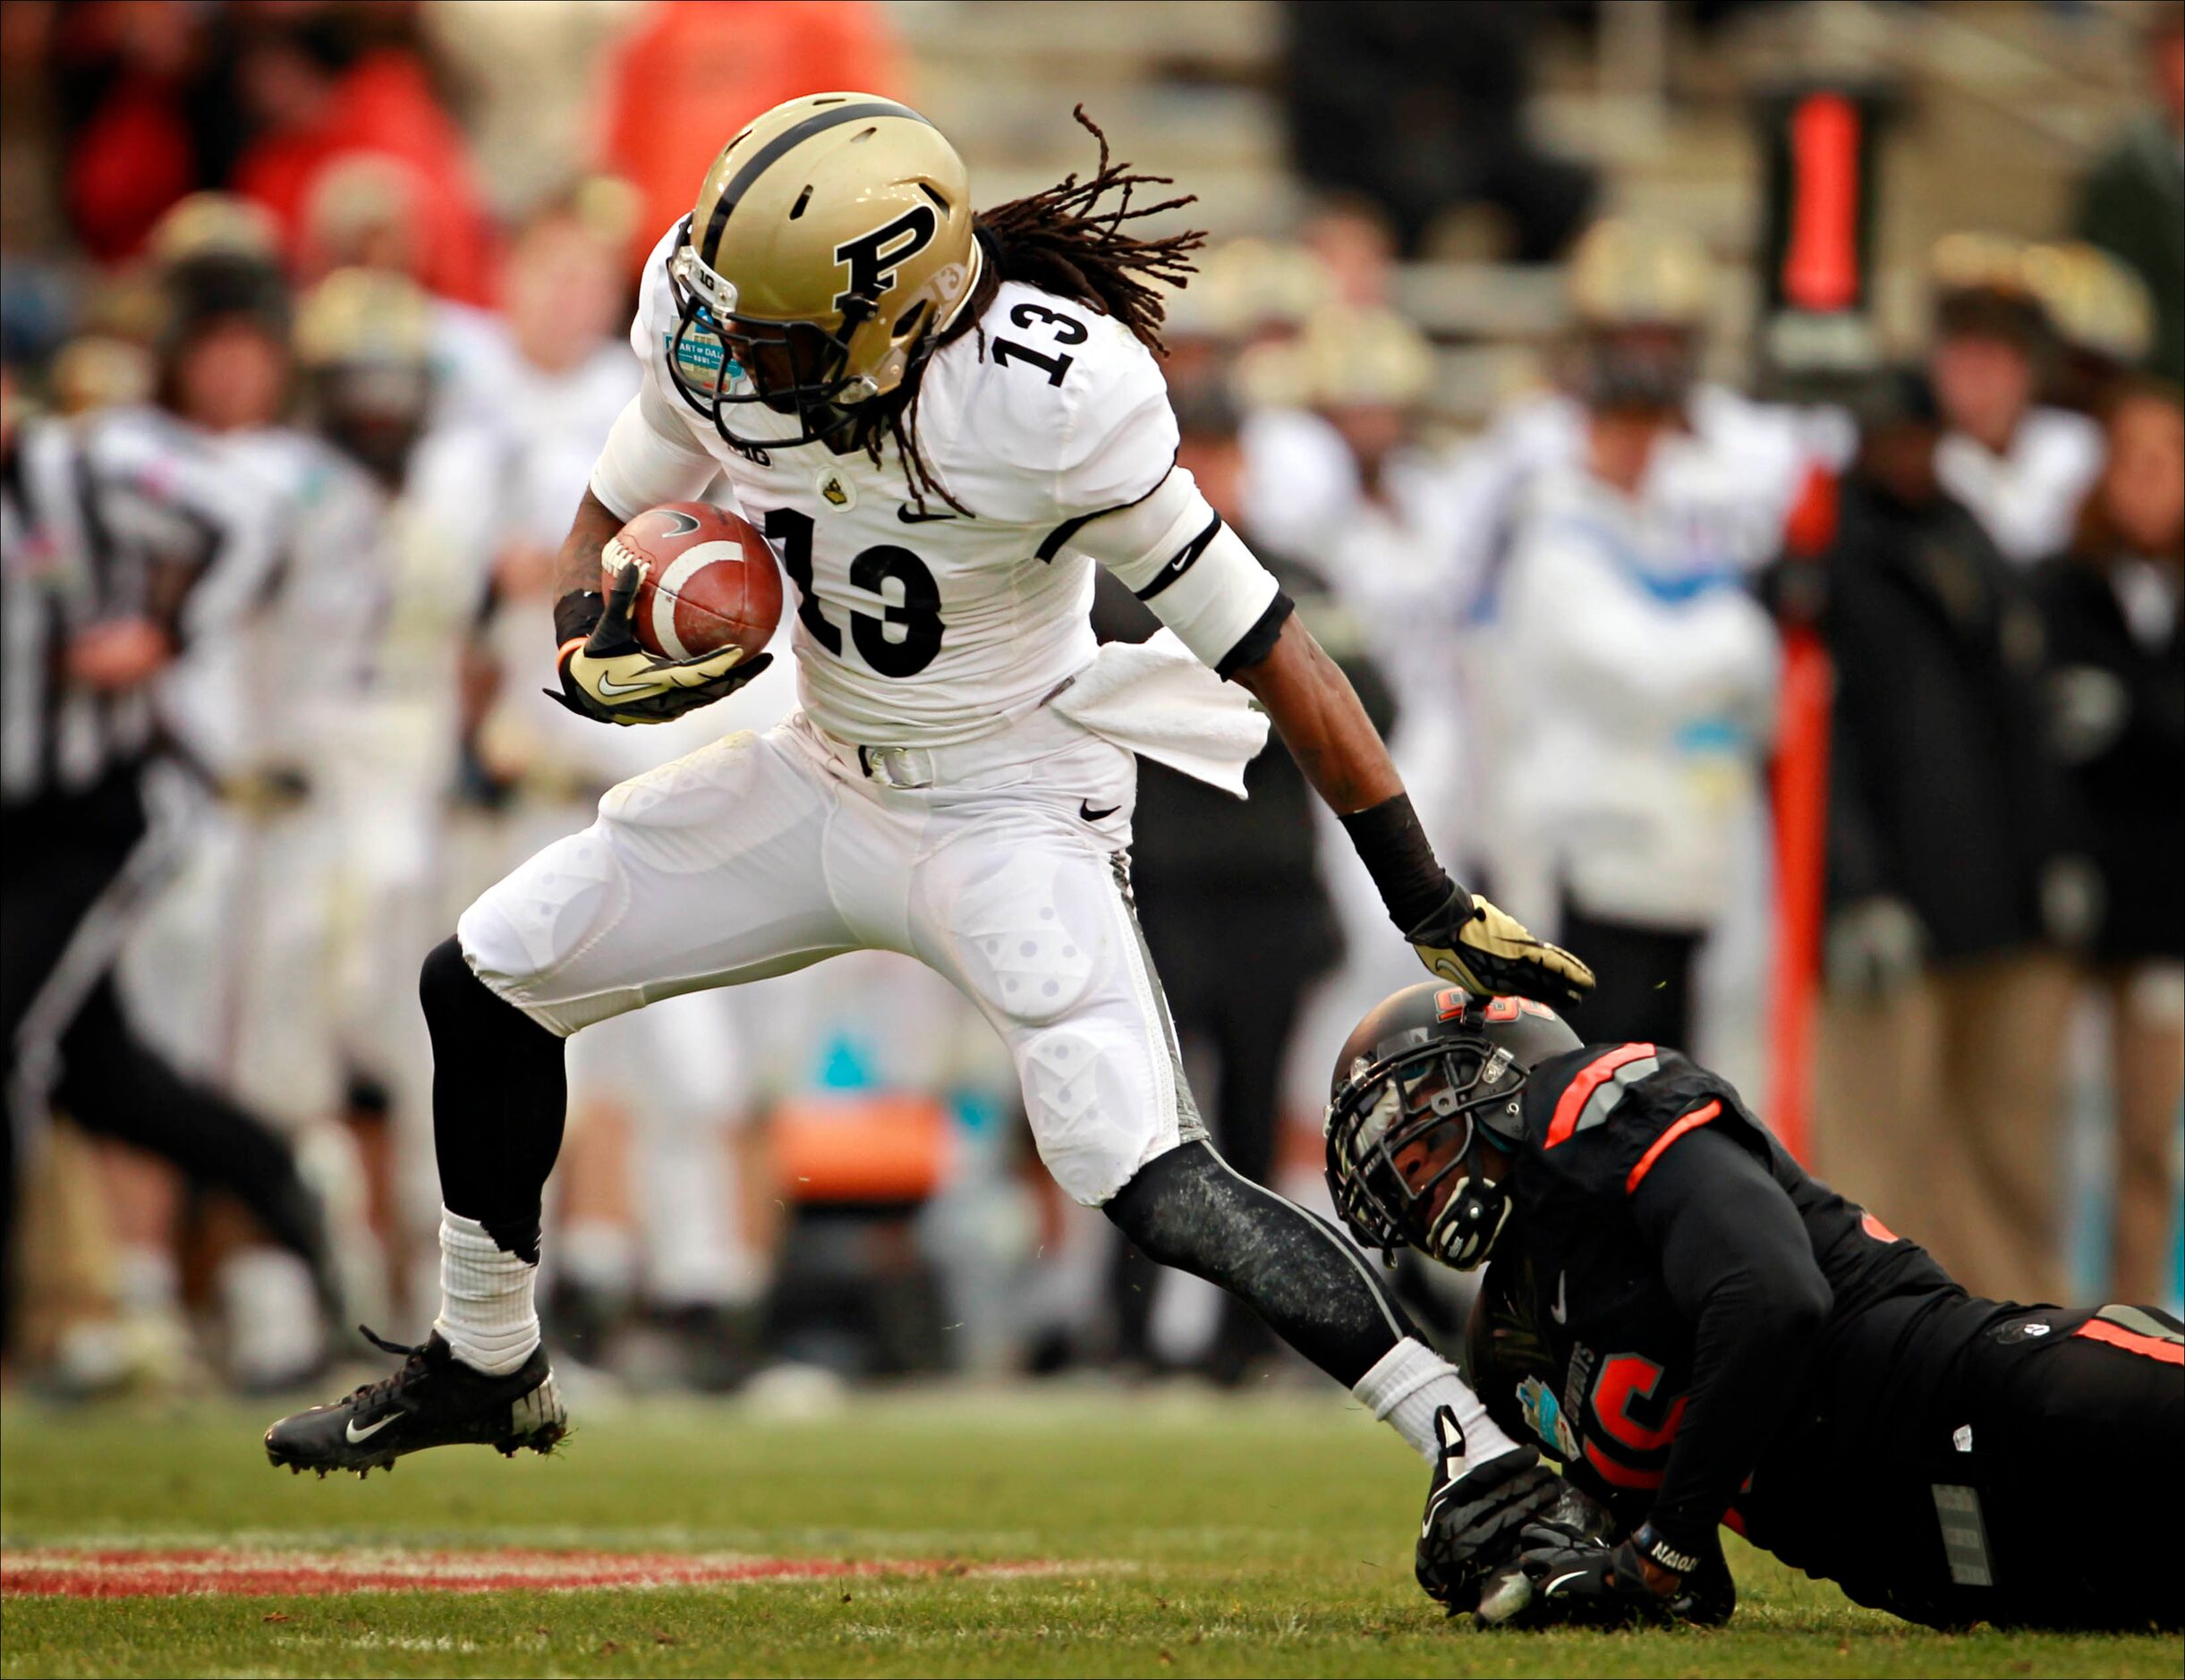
column 941, row 420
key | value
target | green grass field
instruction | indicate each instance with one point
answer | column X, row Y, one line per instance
column 1151, row 1534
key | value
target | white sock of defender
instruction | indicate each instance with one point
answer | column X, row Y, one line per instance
column 488, row 1315
column 1409, row 1383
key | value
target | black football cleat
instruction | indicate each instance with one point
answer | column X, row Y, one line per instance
column 434, row 1400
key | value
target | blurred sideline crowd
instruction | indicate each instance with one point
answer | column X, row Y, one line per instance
column 315, row 317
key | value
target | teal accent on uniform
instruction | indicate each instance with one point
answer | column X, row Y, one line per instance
column 1712, row 735
column 844, row 1066
column 976, row 1111
column 1671, row 589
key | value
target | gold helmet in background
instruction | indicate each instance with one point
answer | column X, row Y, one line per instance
column 830, row 247
column 1641, row 294
column 2098, row 305
column 364, row 338
column 1627, row 273
column 1344, row 358
column 358, row 317
column 1981, row 286
column 213, row 223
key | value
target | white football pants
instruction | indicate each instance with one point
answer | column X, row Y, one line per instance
column 1003, row 868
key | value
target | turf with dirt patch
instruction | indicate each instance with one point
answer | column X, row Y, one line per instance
column 1035, row 1533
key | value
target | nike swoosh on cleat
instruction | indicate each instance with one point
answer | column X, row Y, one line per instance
column 904, row 514
column 1085, row 809
column 1548, row 1590
column 356, row 1435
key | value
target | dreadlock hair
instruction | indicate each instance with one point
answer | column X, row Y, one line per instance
column 1063, row 240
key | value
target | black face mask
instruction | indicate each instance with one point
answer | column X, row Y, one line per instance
column 793, row 368
column 1423, row 1109
column 375, row 416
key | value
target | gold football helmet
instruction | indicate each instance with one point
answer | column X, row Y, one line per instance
column 360, row 318
column 1639, row 292
column 364, row 338
column 2099, row 307
column 213, row 223
column 1627, row 273
column 830, row 247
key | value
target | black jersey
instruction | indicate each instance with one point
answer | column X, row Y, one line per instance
column 1592, row 1331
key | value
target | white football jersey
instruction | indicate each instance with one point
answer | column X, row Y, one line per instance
column 923, row 627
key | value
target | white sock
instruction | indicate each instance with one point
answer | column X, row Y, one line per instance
column 272, row 1315
column 597, row 1254
column 146, row 1278
column 1408, row 1384
column 487, row 1312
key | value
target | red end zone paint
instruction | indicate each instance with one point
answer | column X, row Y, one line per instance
column 85, row 1573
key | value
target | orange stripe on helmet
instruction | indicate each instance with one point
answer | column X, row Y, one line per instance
column 1697, row 1117
column 1590, row 1079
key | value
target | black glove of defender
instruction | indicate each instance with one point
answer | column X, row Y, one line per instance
column 1580, row 1581
column 1472, row 1520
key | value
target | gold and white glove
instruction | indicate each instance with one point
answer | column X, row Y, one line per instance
column 609, row 677
column 1488, row 953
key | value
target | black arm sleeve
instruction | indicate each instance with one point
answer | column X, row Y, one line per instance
column 1736, row 1262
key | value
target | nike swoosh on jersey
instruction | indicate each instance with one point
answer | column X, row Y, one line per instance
column 1556, row 1308
column 356, row 1435
column 1086, row 811
column 904, row 514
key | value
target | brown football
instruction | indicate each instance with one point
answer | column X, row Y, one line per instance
column 710, row 580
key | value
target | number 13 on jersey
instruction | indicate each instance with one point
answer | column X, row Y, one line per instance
column 909, row 599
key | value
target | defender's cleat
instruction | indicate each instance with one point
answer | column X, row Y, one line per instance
column 434, row 1400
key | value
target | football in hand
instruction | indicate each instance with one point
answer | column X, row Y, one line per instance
column 710, row 580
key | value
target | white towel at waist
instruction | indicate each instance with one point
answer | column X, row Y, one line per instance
column 1156, row 698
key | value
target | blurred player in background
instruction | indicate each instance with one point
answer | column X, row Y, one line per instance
column 874, row 366
column 243, row 967
column 1637, row 671
column 1338, row 469
column 1703, row 1335
column 365, row 210
column 129, row 547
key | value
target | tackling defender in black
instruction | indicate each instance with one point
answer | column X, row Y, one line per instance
column 1703, row 1334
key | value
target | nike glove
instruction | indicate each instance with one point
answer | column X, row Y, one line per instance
column 609, row 678
column 1579, row 1580
column 1488, row 953
column 1472, row 1520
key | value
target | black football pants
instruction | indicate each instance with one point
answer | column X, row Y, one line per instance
column 75, row 885
column 2045, row 1494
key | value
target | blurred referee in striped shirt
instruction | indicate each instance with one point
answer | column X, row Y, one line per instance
column 121, row 538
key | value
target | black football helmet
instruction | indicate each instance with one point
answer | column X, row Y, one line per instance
column 1429, row 1070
